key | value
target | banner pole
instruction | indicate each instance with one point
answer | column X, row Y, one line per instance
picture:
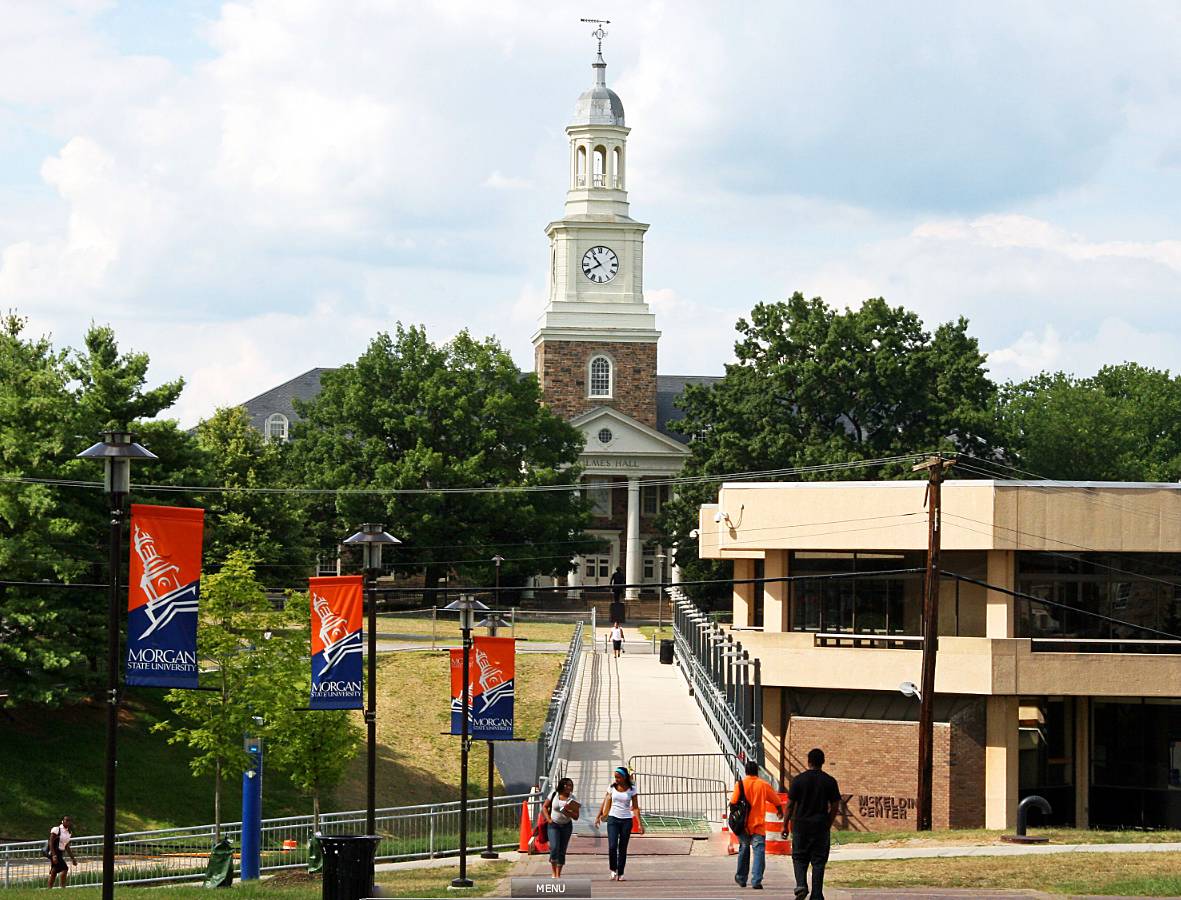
column 489, row 853
column 116, row 532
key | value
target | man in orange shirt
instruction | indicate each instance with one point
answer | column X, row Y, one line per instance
column 753, row 839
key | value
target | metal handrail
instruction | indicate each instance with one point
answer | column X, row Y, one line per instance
column 421, row 831
column 714, row 687
column 559, row 704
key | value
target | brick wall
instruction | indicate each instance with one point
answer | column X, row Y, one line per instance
column 875, row 764
column 562, row 371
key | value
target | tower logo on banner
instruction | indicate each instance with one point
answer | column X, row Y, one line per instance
column 336, row 642
column 492, row 672
column 165, row 586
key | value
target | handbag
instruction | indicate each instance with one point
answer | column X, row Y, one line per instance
column 738, row 812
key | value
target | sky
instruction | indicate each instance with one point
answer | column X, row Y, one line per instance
column 246, row 190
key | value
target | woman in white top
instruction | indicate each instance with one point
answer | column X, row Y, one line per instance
column 618, row 807
column 617, row 638
column 559, row 812
column 59, row 846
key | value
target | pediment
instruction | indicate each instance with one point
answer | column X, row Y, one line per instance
column 629, row 437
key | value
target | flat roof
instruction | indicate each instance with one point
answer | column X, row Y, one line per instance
column 958, row 482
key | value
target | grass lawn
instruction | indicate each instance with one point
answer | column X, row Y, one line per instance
column 52, row 760
column 420, row 628
column 425, row 882
column 982, row 836
column 1118, row 874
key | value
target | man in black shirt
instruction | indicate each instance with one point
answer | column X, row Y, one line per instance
column 813, row 801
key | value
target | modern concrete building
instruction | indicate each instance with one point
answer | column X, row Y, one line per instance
column 1069, row 687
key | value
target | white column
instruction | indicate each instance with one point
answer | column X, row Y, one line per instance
column 574, row 578
column 632, row 548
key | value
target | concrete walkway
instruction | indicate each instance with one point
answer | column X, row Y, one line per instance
column 850, row 852
column 626, row 707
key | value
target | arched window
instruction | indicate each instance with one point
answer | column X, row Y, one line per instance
column 276, row 427
column 580, row 166
column 600, row 163
column 600, row 377
column 617, row 168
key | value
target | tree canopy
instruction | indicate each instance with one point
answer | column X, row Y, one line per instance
column 1121, row 424
column 816, row 386
column 413, row 415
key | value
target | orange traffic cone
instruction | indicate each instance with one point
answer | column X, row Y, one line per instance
column 526, row 828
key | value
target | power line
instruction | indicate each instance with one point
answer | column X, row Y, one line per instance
column 488, row 489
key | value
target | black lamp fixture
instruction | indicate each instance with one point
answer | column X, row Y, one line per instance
column 116, row 449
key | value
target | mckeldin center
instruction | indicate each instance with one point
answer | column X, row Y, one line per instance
column 1058, row 669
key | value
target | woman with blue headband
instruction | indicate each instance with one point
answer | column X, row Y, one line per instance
column 619, row 805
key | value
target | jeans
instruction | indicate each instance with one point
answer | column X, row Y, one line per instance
column 751, row 845
column 559, row 840
column 810, row 845
column 619, row 832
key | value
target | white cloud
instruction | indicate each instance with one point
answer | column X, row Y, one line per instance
column 330, row 169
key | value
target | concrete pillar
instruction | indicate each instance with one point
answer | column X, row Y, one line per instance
column 1000, row 763
column 574, row 578
column 1082, row 762
column 775, row 593
column 632, row 548
column 1002, row 571
column 744, row 594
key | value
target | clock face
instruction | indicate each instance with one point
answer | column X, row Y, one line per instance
column 600, row 264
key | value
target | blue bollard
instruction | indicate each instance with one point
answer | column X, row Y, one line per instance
column 252, row 812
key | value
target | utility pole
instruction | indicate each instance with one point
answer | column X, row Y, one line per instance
column 935, row 466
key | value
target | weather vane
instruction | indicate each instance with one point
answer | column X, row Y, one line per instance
column 598, row 34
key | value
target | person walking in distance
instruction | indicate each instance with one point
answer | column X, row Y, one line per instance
column 752, row 840
column 616, row 638
column 617, row 582
column 813, row 801
column 618, row 807
column 560, row 811
column 59, row 845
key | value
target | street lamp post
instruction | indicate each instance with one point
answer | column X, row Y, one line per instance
column 372, row 538
column 466, row 606
column 661, row 559
column 492, row 623
column 497, row 560
column 116, row 449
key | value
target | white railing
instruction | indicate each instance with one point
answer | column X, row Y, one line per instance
column 559, row 707
column 181, row 854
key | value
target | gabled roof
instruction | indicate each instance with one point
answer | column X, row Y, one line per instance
column 278, row 399
column 655, row 441
column 668, row 391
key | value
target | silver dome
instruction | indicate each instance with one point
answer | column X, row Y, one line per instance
column 600, row 105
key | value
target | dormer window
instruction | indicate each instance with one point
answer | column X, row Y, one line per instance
column 276, row 427
column 600, row 377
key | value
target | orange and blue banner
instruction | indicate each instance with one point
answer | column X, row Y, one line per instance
column 491, row 672
column 163, row 591
column 336, row 642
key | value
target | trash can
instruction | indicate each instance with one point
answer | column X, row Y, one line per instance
column 348, row 865
column 220, row 870
column 666, row 652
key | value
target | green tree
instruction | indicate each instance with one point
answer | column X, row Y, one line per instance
column 109, row 390
column 816, row 386
column 40, row 662
column 313, row 747
column 274, row 525
column 410, row 414
column 236, row 622
column 1121, row 424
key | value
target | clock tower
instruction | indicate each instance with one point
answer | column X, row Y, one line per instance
column 596, row 346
